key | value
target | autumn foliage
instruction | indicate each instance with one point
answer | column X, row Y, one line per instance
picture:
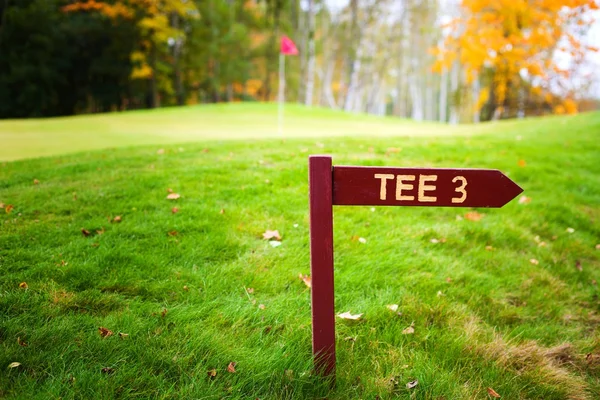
column 513, row 45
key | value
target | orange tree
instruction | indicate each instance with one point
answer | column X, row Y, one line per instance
column 510, row 46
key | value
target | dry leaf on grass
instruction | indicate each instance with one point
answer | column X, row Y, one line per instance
column 14, row 365
column 117, row 219
column 578, row 265
column 598, row 246
column 8, row 208
column 473, row 216
column 211, row 373
column 23, row 285
column 160, row 151
column 409, row 330
column 305, row 279
column 570, row 230
column 489, row 248
column 21, row 342
column 36, row 182
column 173, row 196
column 250, row 290
column 163, row 313
column 231, row 367
column 108, row 370
column 1, row 205
column 349, row 316
column 104, row 332
column 268, row 235
column 85, row 232
column 522, row 163
column 534, row 261
column 493, row 393
column 393, row 307
column 174, row 210
column 412, row 384
column 524, row 200
column 123, row 335
column 261, row 306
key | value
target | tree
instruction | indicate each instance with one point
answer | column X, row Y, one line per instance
column 507, row 43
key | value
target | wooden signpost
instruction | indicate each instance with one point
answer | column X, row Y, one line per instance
column 380, row 186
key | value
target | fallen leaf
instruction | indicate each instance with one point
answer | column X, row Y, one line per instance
column 169, row 190
column 174, row 210
column 473, row 216
column 231, row 367
column 23, row 285
column 542, row 244
column 1, row 204
column 186, row 288
column 250, row 290
column 212, row 373
column 21, row 342
column 393, row 307
column 85, row 232
column 449, row 280
column 100, row 231
column 104, row 332
column 578, row 265
column 350, row 339
column 222, row 211
column 123, row 335
column 522, row 163
column 434, row 241
column 163, row 313
column 36, row 182
column 268, row 235
column 305, row 279
column 347, row 315
column 173, row 196
column 409, row 330
column 172, row 233
column 117, row 219
column 439, row 293
column 14, row 365
column 489, row 248
column 160, row 151
column 362, row 240
column 275, row 243
column 8, row 208
column 108, row 370
column 598, row 246
column 524, row 200
column 261, row 306
column 570, row 230
column 493, row 393
column 412, row 384
column 534, row 261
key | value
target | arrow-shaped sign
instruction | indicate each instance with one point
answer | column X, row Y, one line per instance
column 380, row 186
column 430, row 187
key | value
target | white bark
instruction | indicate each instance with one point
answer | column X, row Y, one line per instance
column 310, row 67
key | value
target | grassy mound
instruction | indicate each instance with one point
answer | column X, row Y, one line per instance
column 501, row 299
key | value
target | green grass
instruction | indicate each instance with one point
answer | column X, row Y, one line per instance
column 483, row 317
column 46, row 137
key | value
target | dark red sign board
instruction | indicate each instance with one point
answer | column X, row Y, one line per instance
column 380, row 186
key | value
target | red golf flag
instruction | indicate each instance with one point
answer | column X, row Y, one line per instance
column 288, row 48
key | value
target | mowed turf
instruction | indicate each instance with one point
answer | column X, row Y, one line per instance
column 508, row 302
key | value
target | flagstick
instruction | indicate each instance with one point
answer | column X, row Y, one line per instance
column 281, row 91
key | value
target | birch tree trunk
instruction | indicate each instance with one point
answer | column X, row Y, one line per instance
column 310, row 67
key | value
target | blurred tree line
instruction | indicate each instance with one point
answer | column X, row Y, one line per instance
column 424, row 59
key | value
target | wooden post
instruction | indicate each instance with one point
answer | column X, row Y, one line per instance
column 321, row 263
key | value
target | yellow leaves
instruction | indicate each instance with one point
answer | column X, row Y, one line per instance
column 141, row 72
column 23, row 285
column 570, row 106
